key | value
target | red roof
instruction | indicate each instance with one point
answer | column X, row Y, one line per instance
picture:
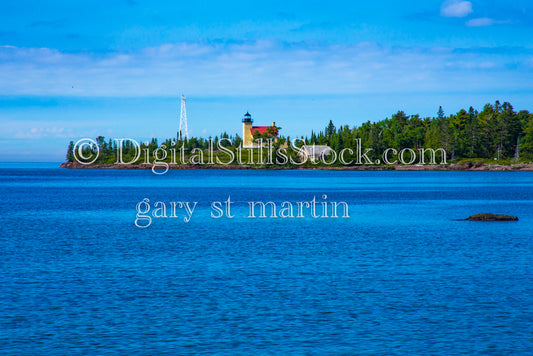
column 263, row 129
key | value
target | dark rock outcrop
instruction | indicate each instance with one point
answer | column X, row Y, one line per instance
column 492, row 217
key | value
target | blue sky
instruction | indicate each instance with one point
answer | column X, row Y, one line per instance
column 72, row 69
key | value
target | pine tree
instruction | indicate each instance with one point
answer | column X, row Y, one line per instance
column 440, row 113
column 330, row 129
column 70, row 152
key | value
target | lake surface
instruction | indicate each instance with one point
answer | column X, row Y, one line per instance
column 400, row 276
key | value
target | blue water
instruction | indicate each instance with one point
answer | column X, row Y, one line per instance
column 401, row 276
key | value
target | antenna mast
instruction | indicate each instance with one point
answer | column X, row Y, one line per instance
column 183, row 132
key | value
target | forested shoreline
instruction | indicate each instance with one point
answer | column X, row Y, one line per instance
column 497, row 132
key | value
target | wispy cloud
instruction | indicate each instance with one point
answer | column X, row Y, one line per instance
column 34, row 129
column 251, row 68
column 484, row 21
column 456, row 8
column 42, row 132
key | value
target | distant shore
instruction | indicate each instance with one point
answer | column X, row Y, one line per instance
column 464, row 166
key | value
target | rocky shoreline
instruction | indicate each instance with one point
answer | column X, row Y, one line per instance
column 467, row 166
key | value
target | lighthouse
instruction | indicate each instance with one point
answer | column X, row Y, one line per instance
column 247, row 129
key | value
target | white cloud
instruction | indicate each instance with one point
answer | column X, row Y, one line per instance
column 256, row 68
column 456, row 8
column 35, row 129
column 482, row 21
column 42, row 132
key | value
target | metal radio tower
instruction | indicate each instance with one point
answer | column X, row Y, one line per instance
column 183, row 133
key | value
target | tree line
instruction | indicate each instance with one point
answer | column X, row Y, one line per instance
column 496, row 132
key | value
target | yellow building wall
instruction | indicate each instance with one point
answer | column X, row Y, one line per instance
column 247, row 134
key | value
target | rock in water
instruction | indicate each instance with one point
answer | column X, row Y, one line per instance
column 492, row 217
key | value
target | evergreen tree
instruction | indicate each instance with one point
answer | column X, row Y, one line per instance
column 527, row 142
column 440, row 113
column 70, row 152
column 330, row 129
